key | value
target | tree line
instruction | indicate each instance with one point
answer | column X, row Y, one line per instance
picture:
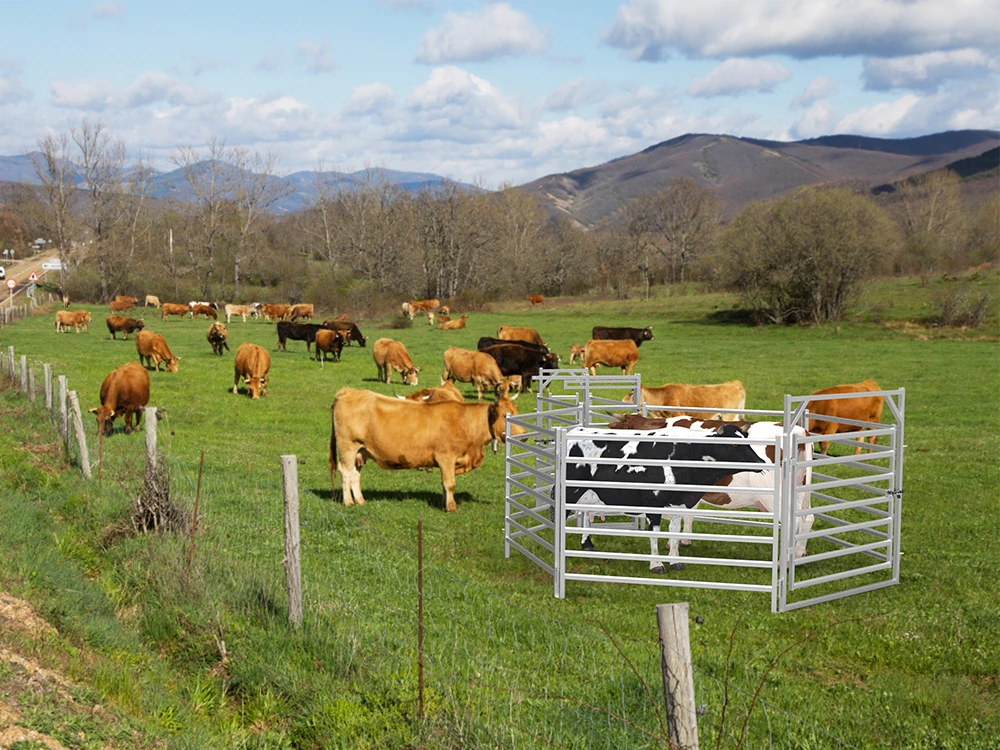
column 801, row 258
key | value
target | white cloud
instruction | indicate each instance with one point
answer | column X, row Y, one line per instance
column 819, row 87
column 739, row 75
column 925, row 72
column 496, row 30
column 11, row 88
column 453, row 97
column 202, row 63
column 108, row 10
column 148, row 88
column 574, row 94
column 820, row 119
column 370, row 99
column 268, row 61
column 653, row 29
column 277, row 118
column 93, row 94
column 317, row 56
column 882, row 119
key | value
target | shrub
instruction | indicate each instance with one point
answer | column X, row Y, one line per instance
column 963, row 308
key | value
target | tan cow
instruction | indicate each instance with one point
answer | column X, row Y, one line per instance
column 274, row 312
column 402, row 434
column 536, row 299
column 206, row 310
column 467, row 366
column 445, row 392
column 217, row 334
column 300, row 311
column 120, row 305
column 391, row 355
column 610, row 353
column 454, row 325
column 426, row 307
column 125, row 298
column 253, row 364
column 168, row 308
column 864, row 409
column 242, row 310
column 76, row 318
column 152, row 299
column 514, row 333
column 123, row 324
column 724, row 396
column 125, row 391
column 575, row 353
column 153, row 349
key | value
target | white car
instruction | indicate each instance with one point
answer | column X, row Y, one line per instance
column 52, row 264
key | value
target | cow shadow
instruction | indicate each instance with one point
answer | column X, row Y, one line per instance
column 431, row 498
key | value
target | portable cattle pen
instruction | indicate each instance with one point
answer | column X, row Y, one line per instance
column 854, row 501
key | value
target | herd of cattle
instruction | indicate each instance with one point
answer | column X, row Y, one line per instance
column 436, row 427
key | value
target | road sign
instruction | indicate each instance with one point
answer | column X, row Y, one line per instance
column 33, row 278
column 11, row 283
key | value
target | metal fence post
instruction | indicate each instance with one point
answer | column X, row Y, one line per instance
column 678, row 677
column 81, row 437
column 293, row 570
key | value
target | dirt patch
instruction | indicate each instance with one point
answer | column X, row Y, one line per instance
column 17, row 614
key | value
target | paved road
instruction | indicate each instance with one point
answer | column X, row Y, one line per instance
column 20, row 270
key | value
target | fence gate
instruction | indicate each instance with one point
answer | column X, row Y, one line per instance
column 845, row 512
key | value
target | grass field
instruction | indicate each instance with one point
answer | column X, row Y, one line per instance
column 912, row 666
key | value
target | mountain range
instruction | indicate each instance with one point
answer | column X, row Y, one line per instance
column 738, row 169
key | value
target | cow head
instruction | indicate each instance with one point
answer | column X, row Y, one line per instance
column 172, row 363
column 647, row 334
column 105, row 419
column 86, row 316
column 257, row 384
column 497, row 416
column 410, row 376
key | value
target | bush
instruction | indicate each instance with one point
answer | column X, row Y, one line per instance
column 963, row 308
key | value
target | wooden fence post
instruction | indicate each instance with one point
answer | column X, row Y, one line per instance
column 10, row 362
column 81, row 437
column 24, row 373
column 149, row 414
column 47, row 372
column 31, row 384
column 63, row 412
column 678, row 678
column 293, row 570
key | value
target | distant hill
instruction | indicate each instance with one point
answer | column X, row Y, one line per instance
column 173, row 185
column 746, row 169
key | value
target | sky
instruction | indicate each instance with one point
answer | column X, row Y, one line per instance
column 491, row 93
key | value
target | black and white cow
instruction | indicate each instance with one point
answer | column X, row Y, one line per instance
column 630, row 446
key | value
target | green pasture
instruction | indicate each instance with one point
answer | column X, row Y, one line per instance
column 910, row 666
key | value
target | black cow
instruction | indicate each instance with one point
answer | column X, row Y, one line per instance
column 348, row 330
column 488, row 341
column 638, row 335
column 297, row 332
column 637, row 452
column 514, row 359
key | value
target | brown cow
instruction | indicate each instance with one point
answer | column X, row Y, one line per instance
column 274, row 312
column 76, row 318
column 471, row 367
column 253, row 364
column 444, row 310
column 442, row 319
column 391, row 355
column 153, row 349
column 123, row 324
column 206, row 310
column 125, row 298
column 123, row 305
column 217, row 333
column 730, row 395
column 864, row 409
column 575, row 353
column 125, row 391
column 409, row 435
column 168, row 308
column 300, row 311
column 514, row 333
column 536, row 299
column 424, row 307
column 454, row 325
column 610, row 353
column 328, row 342
column 444, row 392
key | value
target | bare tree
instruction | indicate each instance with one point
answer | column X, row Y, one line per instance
column 324, row 205
column 929, row 210
column 57, row 175
column 638, row 217
column 684, row 223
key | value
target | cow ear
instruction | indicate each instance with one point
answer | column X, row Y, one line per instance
column 92, row 411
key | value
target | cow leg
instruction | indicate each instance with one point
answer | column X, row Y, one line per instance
column 350, row 474
column 674, row 527
column 688, row 529
column 447, row 466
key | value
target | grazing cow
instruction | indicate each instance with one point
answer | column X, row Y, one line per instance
column 638, row 335
column 348, row 330
column 408, row 310
column 424, row 307
column 521, row 362
column 536, row 299
column 591, row 443
column 864, row 409
column 125, row 391
column 488, row 341
column 515, row 333
column 207, row 310
column 391, row 355
column 76, row 318
column 133, row 301
column 576, row 352
column 444, row 310
column 241, row 310
column 471, row 367
column 297, row 332
column 402, row 434
column 728, row 496
column 328, row 342
column 153, row 349
column 216, row 336
column 445, row 392
column 300, row 311
column 623, row 354
column 120, row 305
column 123, row 324
column 152, row 299
column 255, row 309
column 729, row 398
column 274, row 312
column 253, row 364
column 454, row 325
column 168, row 308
